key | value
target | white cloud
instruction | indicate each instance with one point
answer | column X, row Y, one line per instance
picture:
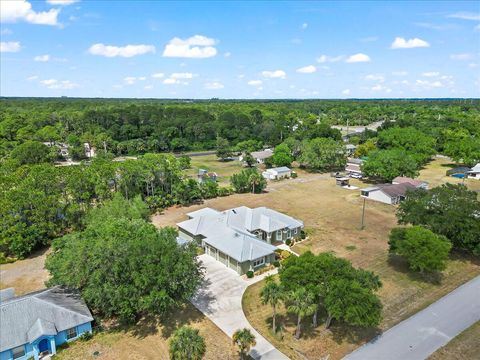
column 227, row 54
column 477, row 28
column 158, row 75
column 464, row 56
column 197, row 46
column 123, row 51
column 6, row 32
column 375, row 77
column 380, row 87
column 33, row 77
column 42, row 58
column 59, row 84
column 148, row 87
column 400, row 73
column 10, row 46
column 439, row 27
column 431, row 74
column 304, row 26
column 184, row 75
column 324, row 58
column 276, row 74
column 346, row 92
column 21, row 10
column 240, row 76
column 402, row 43
column 214, row 85
column 427, row 84
column 170, row 81
column 62, row 2
column 358, row 58
column 369, row 39
column 472, row 65
column 142, row 78
column 465, row 16
column 255, row 82
column 130, row 80
column 307, row 69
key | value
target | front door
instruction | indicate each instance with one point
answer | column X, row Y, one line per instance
column 43, row 346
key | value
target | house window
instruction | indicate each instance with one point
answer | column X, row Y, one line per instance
column 71, row 333
column 258, row 262
column 295, row 231
column 18, row 352
column 279, row 234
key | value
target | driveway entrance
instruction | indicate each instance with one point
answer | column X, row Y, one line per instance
column 220, row 299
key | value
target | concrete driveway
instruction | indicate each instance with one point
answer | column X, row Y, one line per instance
column 428, row 330
column 220, row 299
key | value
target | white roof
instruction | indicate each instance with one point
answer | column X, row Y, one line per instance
column 203, row 212
column 282, row 169
column 475, row 169
column 230, row 231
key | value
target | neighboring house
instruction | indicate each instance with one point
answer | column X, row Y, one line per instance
column 34, row 324
column 89, row 150
column 354, row 166
column 277, row 173
column 419, row 184
column 62, row 148
column 474, row 173
column 458, row 172
column 240, row 238
column 260, row 156
column 205, row 176
column 388, row 193
column 350, row 149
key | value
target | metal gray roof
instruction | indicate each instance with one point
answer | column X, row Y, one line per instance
column 7, row 293
column 230, row 230
column 280, row 169
column 24, row 317
column 262, row 154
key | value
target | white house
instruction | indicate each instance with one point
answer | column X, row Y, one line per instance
column 474, row 173
column 241, row 238
column 260, row 156
column 388, row 193
column 277, row 173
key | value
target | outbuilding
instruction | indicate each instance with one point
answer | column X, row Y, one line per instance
column 277, row 173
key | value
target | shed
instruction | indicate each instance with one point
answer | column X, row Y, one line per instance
column 277, row 173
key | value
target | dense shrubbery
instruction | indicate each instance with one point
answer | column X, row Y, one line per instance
column 248, row 180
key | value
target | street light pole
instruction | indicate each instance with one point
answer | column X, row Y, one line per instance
column 363, row 215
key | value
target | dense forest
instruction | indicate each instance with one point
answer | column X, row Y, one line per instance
column 40, row 201
column 140, row 126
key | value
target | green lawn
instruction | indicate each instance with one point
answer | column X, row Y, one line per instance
column 224, row 169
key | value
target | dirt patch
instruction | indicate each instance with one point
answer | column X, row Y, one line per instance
column 25, row 275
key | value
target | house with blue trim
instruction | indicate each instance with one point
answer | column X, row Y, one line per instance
column 35, row 324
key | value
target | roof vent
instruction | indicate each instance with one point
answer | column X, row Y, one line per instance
column 233, row 210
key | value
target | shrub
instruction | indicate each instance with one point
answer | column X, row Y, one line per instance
column 285, row 254
column 276, row 263
column 249, row 274
column 303, row 234
column 224, row 191
column 288, row 242
column 294, row 175
column 86, row 336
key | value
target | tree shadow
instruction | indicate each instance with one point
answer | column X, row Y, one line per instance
column 399, row 264
column 352, row 334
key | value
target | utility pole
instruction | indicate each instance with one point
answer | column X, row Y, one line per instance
column 363, row 215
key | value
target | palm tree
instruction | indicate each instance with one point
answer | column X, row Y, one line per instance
column 272, row 294
column 187, row 344
column 254, row 179
column 244, row 339
column 301, row 303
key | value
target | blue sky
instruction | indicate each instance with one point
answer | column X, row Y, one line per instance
column 240, row 49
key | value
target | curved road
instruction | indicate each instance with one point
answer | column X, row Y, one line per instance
column 428, row 330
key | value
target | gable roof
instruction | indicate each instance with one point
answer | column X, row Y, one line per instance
column 405, row 180
column 47, row 312
column 262, row 154
column 230, row 231
column 397, row 189
column 475, row 169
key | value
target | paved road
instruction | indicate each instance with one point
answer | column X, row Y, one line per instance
column 220, row 299
column 423, row 333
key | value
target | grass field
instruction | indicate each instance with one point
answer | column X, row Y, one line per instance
column 150, row 340
column 224, row 169
column 464, row 346
column 332, row 217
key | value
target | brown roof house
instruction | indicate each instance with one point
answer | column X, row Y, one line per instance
column 419, row 184
column 388, row 193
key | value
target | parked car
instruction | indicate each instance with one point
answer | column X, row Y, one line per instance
column 355, row 176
